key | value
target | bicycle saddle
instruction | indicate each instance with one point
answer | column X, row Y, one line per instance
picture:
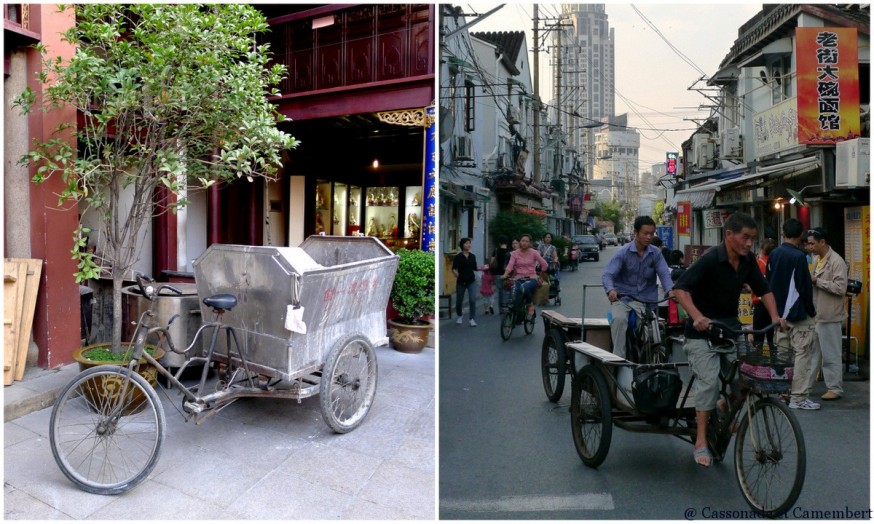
column 224, row 301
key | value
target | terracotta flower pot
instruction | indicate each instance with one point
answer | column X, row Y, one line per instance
column 98, row 390
column 409, row 338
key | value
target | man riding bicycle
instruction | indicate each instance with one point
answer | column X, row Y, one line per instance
column 711, row 288
column 523, row 261
column 632, row 272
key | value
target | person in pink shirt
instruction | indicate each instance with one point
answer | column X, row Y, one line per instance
column 523, row 262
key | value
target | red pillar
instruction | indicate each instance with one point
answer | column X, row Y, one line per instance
column 214, row 216
column 56, row 327
column 164, row 233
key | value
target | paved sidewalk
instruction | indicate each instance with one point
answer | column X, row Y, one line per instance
column 257, row 459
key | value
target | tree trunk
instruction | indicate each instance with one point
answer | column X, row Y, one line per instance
column 117, row 282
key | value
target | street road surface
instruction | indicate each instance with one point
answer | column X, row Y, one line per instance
column 506, row 452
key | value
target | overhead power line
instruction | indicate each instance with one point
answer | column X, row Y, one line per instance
column 663, row 37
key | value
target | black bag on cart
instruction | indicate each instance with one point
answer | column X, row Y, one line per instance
column 656, row 390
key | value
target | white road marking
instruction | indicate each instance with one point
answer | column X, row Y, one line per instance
column 582, row 501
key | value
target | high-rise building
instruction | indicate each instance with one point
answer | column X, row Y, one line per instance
column 585, row 61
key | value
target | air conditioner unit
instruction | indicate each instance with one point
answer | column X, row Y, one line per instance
column 730, row 145
column 483, row 192
column 702, row 151
column 463, row 148
column 853, row 163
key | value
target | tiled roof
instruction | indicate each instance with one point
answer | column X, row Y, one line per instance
column 775, row 22
column 509, row 42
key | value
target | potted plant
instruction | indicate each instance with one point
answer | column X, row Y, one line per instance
column 412, row 295
column 168, row 104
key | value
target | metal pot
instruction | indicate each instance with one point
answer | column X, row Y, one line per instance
column 183, row 328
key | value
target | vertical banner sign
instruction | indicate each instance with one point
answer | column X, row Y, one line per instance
column 827, row 63
column 857, row 253
column 429, row 221
column 666, row 233
column 671, row 164
column 684, row 218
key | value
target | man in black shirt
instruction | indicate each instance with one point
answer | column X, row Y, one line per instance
column 710, row 288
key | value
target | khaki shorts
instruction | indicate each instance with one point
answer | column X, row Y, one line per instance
column 706, row 363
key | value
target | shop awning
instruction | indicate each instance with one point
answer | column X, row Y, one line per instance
column 701, row 196
column 456, row 193
column 789, row 168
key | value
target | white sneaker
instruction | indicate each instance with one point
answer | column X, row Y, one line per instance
column 459, row 320
column 804, row 404
column 472, row 323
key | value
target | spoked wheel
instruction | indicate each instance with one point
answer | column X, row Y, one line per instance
column 553, row 368
column 770, row 458
column 530, row 320
column 106, row 430
column 348, row 383
column 591, row 416
column 508, row 322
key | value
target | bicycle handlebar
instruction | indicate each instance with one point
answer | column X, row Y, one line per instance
column 739, row 332
column 148, row 291
column 646, row 302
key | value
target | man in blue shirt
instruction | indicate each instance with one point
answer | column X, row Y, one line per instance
column 632, row 273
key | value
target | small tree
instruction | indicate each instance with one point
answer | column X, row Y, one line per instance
column 513, row 223
column 611, row 211
column 170, row 95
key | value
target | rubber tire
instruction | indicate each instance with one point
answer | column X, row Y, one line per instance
column 73, row 402
column 597, row 258
column 553, row 357
column 331, row 387
column 507, row 325
column 774, row 406
column 528, row 323
column 590, row 379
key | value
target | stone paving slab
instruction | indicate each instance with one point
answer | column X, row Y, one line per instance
column 257, row 459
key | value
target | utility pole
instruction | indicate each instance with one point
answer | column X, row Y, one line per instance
column 536, row 94
column 558, row 103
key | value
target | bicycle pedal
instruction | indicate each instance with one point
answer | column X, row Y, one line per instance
column 192, row 407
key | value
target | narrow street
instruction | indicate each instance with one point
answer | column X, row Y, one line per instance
column 506, row 452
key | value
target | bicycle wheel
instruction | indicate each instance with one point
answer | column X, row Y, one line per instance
column 770, row 458
column 348, row 383
column 591, row 416
column 508, row 321
column 107, row 429
column 553, row 367
column 529, row 321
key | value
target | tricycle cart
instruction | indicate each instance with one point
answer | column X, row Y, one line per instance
column 651, row 395
column 289, row 323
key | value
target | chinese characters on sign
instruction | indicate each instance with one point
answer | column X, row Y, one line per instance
column 429, row 221
column 828, row 84
column 715, row 218
column 671, row 164
column 776, row 128
column 684, row 218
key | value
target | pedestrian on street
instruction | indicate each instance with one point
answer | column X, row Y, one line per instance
column 710, row 289
column 632, row 272
column 761, row 317
column 548, row 251
column 789, row 278
column 464, row 268
column 829, row 278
